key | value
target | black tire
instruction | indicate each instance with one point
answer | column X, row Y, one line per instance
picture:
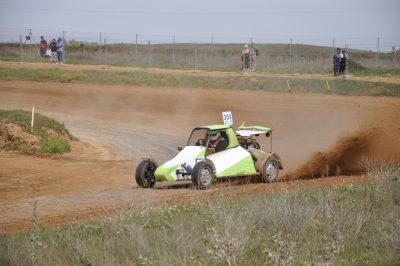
column 202, row 175
column 270, row 170
column 145, row 174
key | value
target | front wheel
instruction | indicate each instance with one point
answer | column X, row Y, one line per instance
column 202, row 175
column 270, row 170
column 145, row 174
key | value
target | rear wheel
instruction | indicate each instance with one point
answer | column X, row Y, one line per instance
column 202, row 175
column 145, row 174
column 270, row 170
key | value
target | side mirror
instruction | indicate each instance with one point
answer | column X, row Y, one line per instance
column 180, row 148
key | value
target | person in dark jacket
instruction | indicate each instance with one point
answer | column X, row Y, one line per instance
column 219, row 141
column 337, row 57
column 343, row 63
column 53, row 50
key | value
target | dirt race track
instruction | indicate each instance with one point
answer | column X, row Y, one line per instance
column 117, row 125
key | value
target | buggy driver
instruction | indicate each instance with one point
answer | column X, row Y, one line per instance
column 218, row 141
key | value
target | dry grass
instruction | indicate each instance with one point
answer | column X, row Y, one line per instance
column 348, row 224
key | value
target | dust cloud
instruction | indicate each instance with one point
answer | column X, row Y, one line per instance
column 352, row 154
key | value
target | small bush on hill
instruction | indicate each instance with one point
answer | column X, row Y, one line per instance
column 54, row 145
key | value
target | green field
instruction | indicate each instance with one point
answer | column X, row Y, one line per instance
column 154, row 79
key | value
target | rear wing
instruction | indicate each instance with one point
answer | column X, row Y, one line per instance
column 252, row 131
column 249, row 131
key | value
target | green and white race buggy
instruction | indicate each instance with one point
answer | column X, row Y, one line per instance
column 215, row 151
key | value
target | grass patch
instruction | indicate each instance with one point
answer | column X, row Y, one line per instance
column 54, row 145
column 338, row 86
column 345, row 87
column 377, row 72
column 348, row 224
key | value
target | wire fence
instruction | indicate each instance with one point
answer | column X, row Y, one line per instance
column 202, row 53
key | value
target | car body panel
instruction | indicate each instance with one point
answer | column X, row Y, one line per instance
column 188, row 155
column 249, row 133
column 261, row 128
column 231, row 162
column 233, row 141
column 216, row 127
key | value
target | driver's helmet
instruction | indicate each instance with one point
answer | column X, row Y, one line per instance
column 214, row 135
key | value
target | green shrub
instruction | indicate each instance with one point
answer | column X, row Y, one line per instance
column 54, row 145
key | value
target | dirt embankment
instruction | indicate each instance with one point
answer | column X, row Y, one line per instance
column 12, row 135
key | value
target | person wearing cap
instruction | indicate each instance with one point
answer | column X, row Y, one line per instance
column 60, row 51
column 246, row 58
column 43, row 47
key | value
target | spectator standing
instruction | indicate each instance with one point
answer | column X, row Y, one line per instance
column 43, row 46
column 336, row 61
column 60, row 51
column 246, row 58
column 53, row 50
column 343, row 63
column 253, row 53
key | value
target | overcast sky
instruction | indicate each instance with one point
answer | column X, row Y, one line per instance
column 260, row 19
